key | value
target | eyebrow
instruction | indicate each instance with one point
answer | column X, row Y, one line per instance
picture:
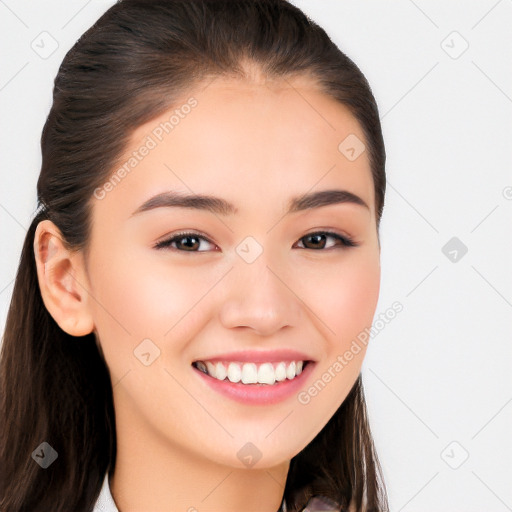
column 220, row 206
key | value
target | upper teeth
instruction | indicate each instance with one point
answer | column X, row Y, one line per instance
column 250, row 373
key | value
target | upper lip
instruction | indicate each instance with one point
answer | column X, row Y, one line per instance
column 260, row 356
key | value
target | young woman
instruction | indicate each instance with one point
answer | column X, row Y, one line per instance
column 185, row 331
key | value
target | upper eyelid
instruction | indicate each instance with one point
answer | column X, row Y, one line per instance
column 329, row 233
column 182, row 234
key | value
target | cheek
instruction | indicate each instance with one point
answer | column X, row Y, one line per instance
column 344, row 296
column 345, row 302
column 133, row 302
column 354, row 301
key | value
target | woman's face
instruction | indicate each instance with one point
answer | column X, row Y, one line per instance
column 252, row 280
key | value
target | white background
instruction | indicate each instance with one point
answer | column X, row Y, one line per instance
column 437, row 377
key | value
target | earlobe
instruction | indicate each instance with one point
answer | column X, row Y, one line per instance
column 62, row 280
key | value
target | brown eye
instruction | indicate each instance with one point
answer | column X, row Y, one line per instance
column 317, row 241
column 190, row 242
column 184, row 242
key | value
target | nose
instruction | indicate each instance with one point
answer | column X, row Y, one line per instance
column 260, row 298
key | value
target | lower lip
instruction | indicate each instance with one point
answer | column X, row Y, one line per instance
column 264, row 394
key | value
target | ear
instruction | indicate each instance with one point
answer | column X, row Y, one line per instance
column 62, row 280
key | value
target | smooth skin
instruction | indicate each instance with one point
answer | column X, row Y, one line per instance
column 255, row 144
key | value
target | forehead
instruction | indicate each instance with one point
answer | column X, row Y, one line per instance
column 290, row 109
column 252, row 139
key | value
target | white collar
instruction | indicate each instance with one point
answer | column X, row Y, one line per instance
column 105, row 502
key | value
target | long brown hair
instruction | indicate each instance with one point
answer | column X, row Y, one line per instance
column 129, row 67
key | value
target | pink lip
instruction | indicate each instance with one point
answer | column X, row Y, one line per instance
column 260, row 356
column 258, row 394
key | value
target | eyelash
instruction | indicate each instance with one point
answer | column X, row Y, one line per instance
column 346, row 242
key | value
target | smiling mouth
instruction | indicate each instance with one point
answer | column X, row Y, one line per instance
column 252, row 373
